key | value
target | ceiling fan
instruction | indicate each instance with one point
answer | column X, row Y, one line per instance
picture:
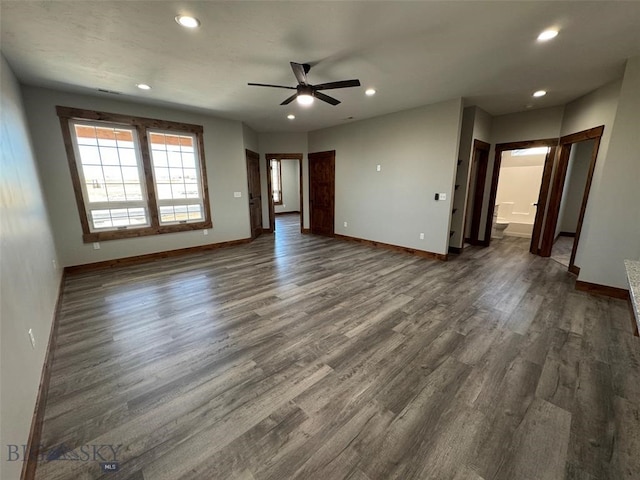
column 305, row 92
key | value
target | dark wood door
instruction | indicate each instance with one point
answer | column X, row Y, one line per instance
column 255, row 193
column 322, row 192
column 480, row 163
column 541, row 204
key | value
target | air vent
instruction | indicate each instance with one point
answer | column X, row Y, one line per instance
column 112, row 92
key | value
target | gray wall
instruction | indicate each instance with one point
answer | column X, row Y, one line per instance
column 611, row 230
column 30, row 274
column 224, row 142
column 575, row 182
column 290, row 186
column 250, row 138
column 417, row 150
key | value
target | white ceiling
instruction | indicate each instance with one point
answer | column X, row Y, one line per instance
column 412, row 53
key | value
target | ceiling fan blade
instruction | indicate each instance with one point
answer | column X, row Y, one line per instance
column 269, row 85
column 340, row 84
column 300, row 71
column 290, row 99
column 327, row 98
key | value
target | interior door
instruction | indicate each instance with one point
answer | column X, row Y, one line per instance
column 322, row 192
column 480, row 163
column 255, row 193
column 541, row 206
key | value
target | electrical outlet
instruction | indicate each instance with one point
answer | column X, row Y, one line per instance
column 237, row 194
column 205, row 232
column 55, row 265
column 32, row 338
column 96, row 245
column 346, row 224
column 422, row 236
column 378, row 168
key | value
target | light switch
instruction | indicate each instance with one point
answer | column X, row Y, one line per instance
column 378, row 168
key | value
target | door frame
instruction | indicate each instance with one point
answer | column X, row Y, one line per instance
column 502, row 147
column 481, row 163
column 272, row 210
column 255, row 156
column 555, row 198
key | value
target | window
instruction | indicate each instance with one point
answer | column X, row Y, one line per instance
column 276, row 181
column 135, row 176
column 176, row 177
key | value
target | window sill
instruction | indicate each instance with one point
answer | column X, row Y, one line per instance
column 144, row 232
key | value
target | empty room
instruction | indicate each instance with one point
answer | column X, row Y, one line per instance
column 355, row 240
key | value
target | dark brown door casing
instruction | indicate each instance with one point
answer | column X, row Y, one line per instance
column 255, row 193
column 322, row 192
column 555, row 197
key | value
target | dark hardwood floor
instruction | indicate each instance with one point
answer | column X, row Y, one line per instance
column 304, row 357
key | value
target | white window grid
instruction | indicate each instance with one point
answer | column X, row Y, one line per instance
column 177, row 177
column 115, row 168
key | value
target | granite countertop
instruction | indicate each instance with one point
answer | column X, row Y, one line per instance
column 633, row 274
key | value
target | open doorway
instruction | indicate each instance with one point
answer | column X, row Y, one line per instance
column 519, row 182
column 571, row 201
column 537, row 204
column 284, row 183
column 548, row 221
column 569, row 195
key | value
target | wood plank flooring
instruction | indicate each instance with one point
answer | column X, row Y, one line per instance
column 304, row 357
column 561, row 251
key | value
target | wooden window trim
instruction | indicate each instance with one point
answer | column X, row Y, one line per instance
column 141, row 124
column 277, row 160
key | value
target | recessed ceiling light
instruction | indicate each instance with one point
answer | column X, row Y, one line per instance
column 143, row 86
column 291, row 116
column 369, row 92
column 548, row 35
column 304, row 99
column 539, row 93
column 187, row 21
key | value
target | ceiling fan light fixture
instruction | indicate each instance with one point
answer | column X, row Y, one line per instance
column 187, row 21
column 304, row 99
